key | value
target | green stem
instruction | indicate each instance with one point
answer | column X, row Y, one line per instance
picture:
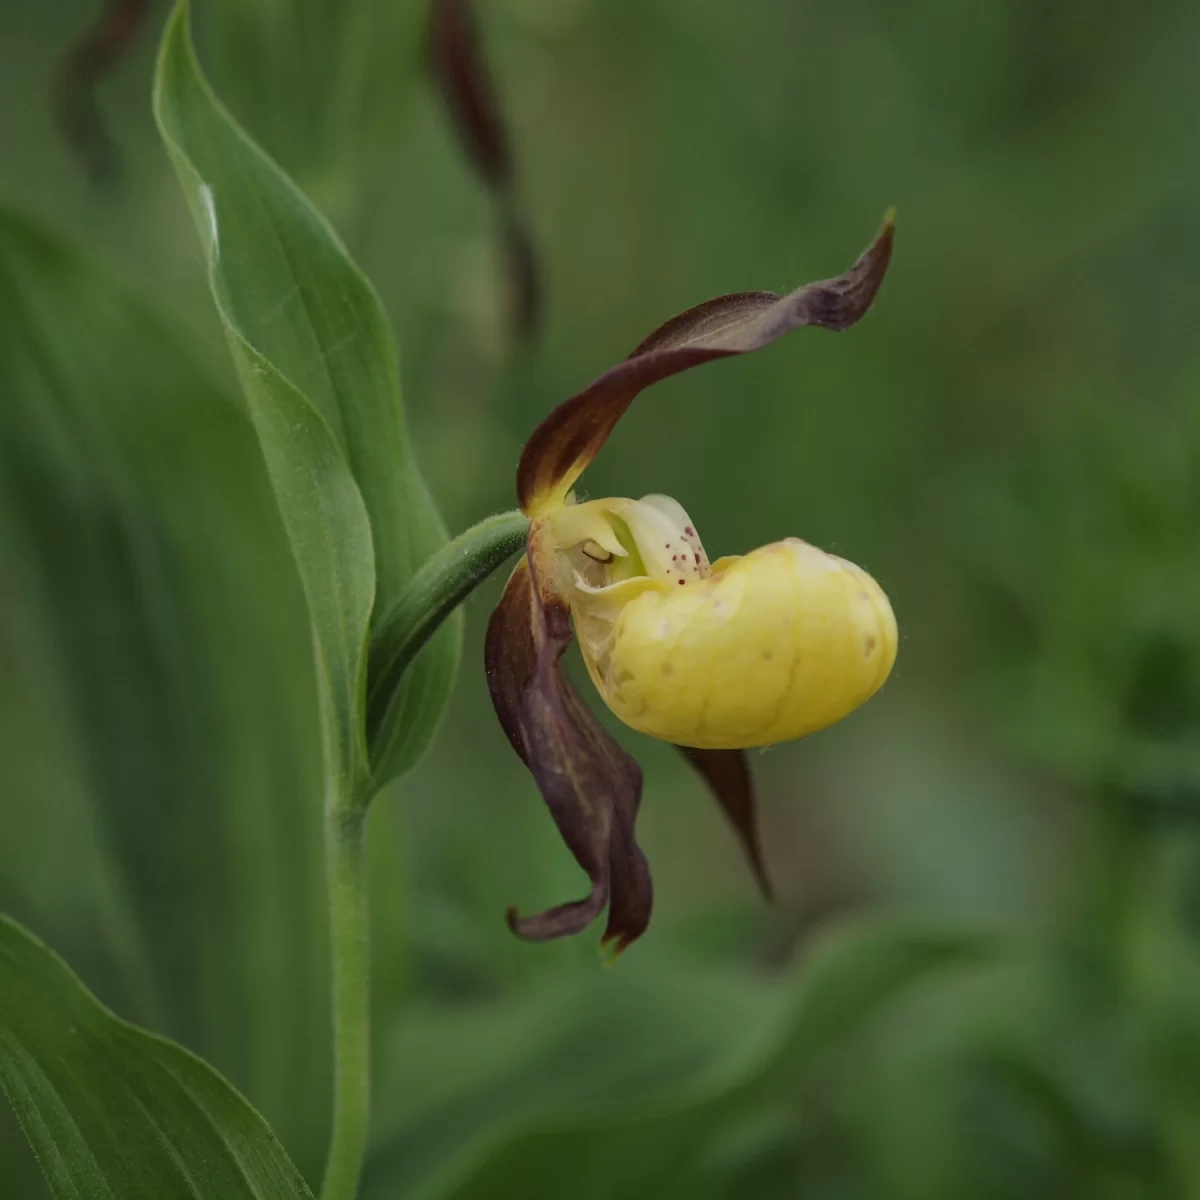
column 347, row 887
column 436, row 590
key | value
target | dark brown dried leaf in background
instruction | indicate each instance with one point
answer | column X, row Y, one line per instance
column 524, row 283
column 97, row 52
column 462, row 77
column 460, row 72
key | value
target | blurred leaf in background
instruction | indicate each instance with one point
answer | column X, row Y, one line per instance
column 617, row 1085
column 1090, row 579
column 159, row 762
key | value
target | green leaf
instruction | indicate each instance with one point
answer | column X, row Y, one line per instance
column 317, row 362
column 158, row 720
column 318, row 82
column 112, row 1111
column 616, row 1083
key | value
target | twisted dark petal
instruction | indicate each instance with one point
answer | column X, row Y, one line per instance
column 570, row 437
column 727, row 774
column 460, row 72
column 94, row 55
column 591, row 786
column 509, row 653
column 632, row 891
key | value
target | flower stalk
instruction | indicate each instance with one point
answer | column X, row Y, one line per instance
column 437, row 589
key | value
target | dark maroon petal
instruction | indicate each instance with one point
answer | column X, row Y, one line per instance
column 632, row 890
column 570, row 437
column 460, row 71
column 509, row 653
column 727, row 774
column 591, row 786
column 98, row 50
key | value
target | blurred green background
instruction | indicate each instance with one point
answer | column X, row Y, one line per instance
column 1010, row 443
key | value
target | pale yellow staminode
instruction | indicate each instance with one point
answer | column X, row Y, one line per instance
column 757, row 649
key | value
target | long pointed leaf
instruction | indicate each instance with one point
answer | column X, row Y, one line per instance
column 114, row 1112
column 315, row 354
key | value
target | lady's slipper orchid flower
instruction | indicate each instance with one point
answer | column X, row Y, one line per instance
column 713, row 658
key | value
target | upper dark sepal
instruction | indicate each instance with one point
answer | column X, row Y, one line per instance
column 571, row 436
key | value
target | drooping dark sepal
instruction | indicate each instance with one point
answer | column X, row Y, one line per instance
column 727, row 773
column 570, row 437
column 591, row 786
